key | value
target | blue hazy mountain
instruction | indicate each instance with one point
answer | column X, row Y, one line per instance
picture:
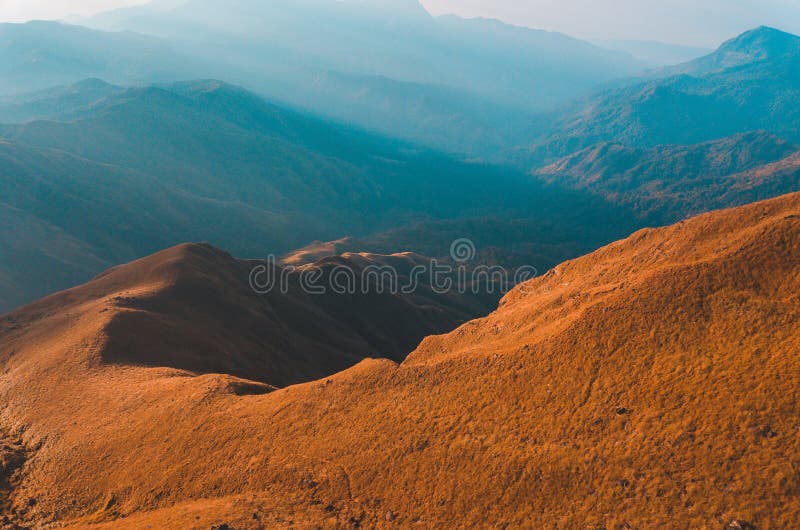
column 142, row 169
column 668, row 183
column 375, row 62
column 433, row 115
column 205, row 160
column 762, row 46
column 750, row 83
column 55, row 102
column 39, row 55
column 397, row 39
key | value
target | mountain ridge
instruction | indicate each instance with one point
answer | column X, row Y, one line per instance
column 671, row 182
column 283, row 337
column 207, row 161
column 620, row 377
column 759, row 44
column 703, row 100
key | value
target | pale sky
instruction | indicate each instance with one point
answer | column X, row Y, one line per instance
column 22, row 10
column 693, row 22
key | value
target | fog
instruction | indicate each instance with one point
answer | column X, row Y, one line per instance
column 688, row 22
column 700, row 23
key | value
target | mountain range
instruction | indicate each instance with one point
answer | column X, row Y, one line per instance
column 396, row 39
column 750, row 83
column 465, row 86
column 230, row 214
column 115, row 174
column 39, row 55
column 643, row 377
column 208, row 161
column 667, row 183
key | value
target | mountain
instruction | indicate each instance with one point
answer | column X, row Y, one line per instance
column 749, row 84
column 55, row 102
column 285, row 336
column 39, row 55
column 143, row 169
column 434, row 115
column 398, row 40
column 642, row 378
column 654, row 53
column 39, row 258
column 472, row 87
column 71, row 218
column 498, row 241
column 381, row 64
column 759, row 45
column 667, row 183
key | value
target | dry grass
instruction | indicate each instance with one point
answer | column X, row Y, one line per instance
column 651, row 384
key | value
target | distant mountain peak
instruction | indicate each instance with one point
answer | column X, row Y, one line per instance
column 91, row 83
column 761, row 43
column 756, row 45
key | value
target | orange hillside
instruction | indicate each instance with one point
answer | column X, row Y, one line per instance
column 653, row 383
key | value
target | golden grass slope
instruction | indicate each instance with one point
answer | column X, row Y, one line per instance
column 654, row 383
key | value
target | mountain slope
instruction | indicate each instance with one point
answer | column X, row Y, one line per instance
column 397, row 40
column 430, row 114
column 370, row 63
column 71, row 218
column 54, row 102
column 667, row 183
column 207, row 161
column 750, row 83
column 377, row 63
column 39, row 258
column 202, row 133
column 760, row 45
column 39, row 55
column 643, row 378
column 155, row 308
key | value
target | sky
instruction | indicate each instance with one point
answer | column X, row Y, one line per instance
column 22, row 10
column 691, row 22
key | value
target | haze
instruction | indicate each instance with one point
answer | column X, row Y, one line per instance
column 704, row 23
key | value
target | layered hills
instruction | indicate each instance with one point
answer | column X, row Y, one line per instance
column 667, row 183
column 651, row 383
column 39, row 55
column 465, row 86
column 399, row 40
column 750, row 83
column 206, row 161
